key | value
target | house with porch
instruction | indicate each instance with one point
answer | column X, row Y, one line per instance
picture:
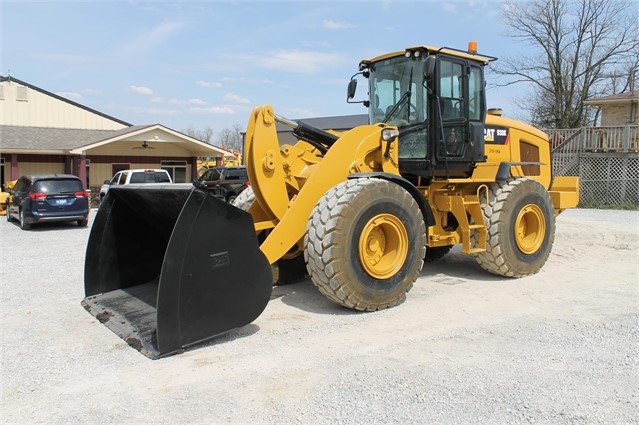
column 41, row 132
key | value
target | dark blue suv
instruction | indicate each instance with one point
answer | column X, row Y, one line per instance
column 50, row 197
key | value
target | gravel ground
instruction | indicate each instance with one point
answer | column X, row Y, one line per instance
column 466, row 347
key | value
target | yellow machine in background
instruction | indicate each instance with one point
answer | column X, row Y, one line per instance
column 233, row 159
column 359, row 211
column 5, row 196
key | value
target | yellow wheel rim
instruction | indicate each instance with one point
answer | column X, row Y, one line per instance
column 383, row 246
column 530, row 229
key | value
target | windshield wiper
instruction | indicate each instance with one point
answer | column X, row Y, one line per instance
column 405, row 96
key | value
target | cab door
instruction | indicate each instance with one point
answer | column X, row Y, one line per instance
column 452, row 134
column 459, row 109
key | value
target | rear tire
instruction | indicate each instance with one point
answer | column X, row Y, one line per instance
column 245, row 199
column 23, row 222
column 365, row 244
column 520, row 221
column 9, row 218
column 83, row 222
column 436, row 253
column 285, row 270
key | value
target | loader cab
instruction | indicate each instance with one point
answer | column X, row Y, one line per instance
column 436, row 98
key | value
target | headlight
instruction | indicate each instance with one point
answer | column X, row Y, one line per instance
column 389, row 134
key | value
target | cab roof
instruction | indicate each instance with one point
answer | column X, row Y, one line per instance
column 431, row 50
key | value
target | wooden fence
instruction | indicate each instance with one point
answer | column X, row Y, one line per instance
column 606, row 159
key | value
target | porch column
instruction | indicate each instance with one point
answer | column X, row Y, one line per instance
column 82, row 169
column 194, row 175
column 14, row 167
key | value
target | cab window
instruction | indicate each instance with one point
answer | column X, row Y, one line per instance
column 475, row 94
column 452, row 107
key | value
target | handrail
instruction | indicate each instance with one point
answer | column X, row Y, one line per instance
column 623, row 138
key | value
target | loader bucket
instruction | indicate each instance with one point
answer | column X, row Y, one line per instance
column 168, row 266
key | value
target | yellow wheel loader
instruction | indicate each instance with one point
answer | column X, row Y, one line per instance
column 359, row 211
column 5, row 197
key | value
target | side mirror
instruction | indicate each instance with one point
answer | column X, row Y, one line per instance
column 107, row 182
column 352, row 88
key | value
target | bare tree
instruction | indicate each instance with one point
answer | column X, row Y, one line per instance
column 205, row 135
column 231, row 138
column 576, row 46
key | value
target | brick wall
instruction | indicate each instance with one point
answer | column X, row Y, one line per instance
column 618, row 114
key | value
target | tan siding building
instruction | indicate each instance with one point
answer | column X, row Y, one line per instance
column 41, row 132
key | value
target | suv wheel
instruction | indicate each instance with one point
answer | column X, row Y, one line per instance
column 23, row 223
column 231, row 198
column 9, row 219
column 83, row 223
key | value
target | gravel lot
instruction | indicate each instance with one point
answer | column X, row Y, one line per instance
column 466, row 347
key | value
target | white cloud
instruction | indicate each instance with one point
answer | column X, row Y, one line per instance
column 208, row 84
column 152, row 37
column 247, row 80
column 333, row 25
column 213, row 110
column 178, row 102
column 196, row 101
column 141, row 90
column 235, row 98
column 70, row 95
column 65, row 58
column 304, row 62
column 449, row 7
column 155, row 111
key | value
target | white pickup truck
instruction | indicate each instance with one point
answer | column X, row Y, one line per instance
column 135, row 176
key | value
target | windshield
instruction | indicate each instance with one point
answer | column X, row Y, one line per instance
column 396, row 92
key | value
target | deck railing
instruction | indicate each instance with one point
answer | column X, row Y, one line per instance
column 623, row 138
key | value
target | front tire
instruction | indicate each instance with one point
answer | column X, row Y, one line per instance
column 365, row 244
column 521, row 228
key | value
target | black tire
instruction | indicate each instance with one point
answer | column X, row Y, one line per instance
column 520, row 220
column 83, row 223
column 285, row 270
column 365, row 244
column 23, row 222
column 231, row 198
column 245, row 199
column 436, row 253
column 289, row 270
column 9, row 218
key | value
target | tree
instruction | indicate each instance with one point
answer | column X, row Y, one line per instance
column 231, row 138
column 205, row 135
column 577, row 46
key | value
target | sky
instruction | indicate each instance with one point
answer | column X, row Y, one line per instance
column 206, row 64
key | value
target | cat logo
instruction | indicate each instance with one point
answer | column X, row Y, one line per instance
column 496, row 135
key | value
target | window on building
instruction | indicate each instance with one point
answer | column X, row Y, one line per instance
column 177, row 170
column 21, row 94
